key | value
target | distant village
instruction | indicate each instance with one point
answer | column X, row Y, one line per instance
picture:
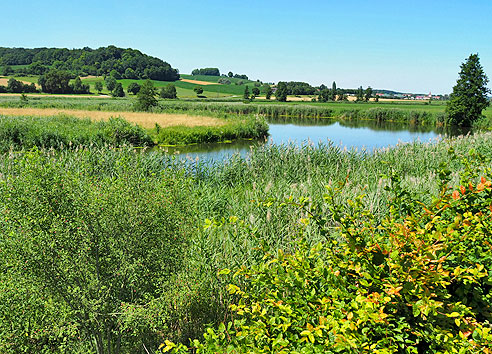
column 412, row 96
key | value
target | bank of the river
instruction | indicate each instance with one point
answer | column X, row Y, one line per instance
column 178, row 122
column 72, row 204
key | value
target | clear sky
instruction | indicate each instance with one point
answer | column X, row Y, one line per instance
column 409, row 46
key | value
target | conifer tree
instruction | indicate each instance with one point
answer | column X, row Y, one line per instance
column 469, row 97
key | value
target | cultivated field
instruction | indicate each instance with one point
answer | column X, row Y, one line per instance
column 198, row 82
column 144, row 119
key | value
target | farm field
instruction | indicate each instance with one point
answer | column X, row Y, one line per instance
column 144, row 119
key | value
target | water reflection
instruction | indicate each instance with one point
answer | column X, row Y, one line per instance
column 362, row 134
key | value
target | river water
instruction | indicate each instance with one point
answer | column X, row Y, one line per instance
column 366, row 135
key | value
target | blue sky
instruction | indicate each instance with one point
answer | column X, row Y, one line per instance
column 410, row 46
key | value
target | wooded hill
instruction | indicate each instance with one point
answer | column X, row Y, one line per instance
column 118, row 62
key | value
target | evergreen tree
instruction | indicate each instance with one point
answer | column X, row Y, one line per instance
column 246, row 93
column 360, row 94
column 333, row 93
column 469, row 97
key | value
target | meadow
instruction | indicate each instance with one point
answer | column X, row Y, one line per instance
column 156, row 231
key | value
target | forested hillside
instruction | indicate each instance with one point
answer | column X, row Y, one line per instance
column 120, row 63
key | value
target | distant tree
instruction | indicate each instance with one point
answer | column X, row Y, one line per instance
column 79, row 87
column 146, row 96
column 130, row 74
column 469, row 96
column 206, row 71
column 37, row 68
column 368, row 94
column 168, row 91
column 281, row 93
column 110, row 82
column 246, row 93
column 268, row 92
column 230, row 74
column 376, row 98
column 133, row 88
column 7, row 70
column 14, row 86
column 333, row 93
column 198, row 90
column 118, row 91
column 98, row 86
column 322, row 87
column 115, row 74
column 55, row 81
column 255, row 91
column 224, row 81
column 324, row 95
column 360, row 94
column 23, row 99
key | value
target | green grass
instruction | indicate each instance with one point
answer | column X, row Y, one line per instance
column 240, row 189
column 20, row 133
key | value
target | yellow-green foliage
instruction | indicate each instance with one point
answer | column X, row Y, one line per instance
column 417, row 281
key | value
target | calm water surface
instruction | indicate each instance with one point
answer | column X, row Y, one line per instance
column 368, row 135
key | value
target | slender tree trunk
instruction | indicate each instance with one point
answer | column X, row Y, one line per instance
column 99, row 343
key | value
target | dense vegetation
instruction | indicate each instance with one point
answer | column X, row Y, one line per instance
column 63, row 131
column 121, row 63
column 412, row 113
column 206, row 71
column 87, row 205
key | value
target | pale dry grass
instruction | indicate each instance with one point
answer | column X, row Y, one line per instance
column 198, row 82
column 144, row 119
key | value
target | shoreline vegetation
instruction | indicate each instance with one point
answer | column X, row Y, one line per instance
column 66, row 205
column 190, row 122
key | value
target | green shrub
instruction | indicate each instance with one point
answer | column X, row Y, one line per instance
column 89, row 240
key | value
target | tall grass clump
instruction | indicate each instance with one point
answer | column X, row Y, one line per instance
column 410, row 117
column 26, row 132
column 252, row 128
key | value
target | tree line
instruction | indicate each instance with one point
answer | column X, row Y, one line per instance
column 120, row 63
column 206, row 71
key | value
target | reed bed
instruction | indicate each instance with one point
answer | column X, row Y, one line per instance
column 242, row 201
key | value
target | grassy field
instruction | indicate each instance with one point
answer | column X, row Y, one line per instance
column 184, row 89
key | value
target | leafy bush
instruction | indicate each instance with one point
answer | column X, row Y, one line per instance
column 417, row 281
column 89, row 239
